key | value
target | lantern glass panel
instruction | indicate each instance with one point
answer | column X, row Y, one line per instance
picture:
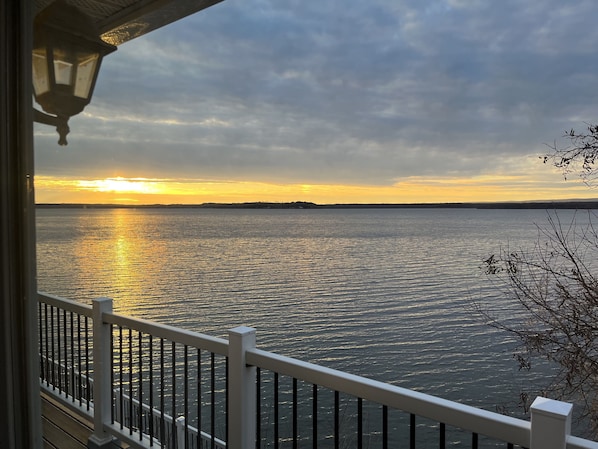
column 85, row 74
column 41, row 82
column 63, row 67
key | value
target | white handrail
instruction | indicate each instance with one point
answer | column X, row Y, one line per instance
column 476, row 420
column 580, row 443
column 175, row 334
column 66, row 304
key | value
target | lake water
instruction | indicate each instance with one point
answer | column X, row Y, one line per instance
column 384, row 293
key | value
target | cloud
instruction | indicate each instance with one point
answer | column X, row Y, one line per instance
column 338, row 92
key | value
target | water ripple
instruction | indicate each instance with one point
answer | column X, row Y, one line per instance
column 382, row 293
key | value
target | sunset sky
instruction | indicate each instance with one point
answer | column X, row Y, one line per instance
column 384, row 101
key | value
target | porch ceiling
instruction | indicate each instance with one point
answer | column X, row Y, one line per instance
column 120, row 21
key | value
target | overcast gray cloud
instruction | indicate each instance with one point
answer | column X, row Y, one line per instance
column 338, row 92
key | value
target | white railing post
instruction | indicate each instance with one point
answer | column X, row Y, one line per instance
column 551, row 423
column 242, row 394
column 102, row 390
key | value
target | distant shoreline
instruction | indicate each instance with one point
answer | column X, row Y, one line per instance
column 562, row 204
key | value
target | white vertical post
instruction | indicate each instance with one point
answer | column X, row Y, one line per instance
column 118, row 408
column 242, row 394
column 181, row 436
column 551, row 423
column 102, row 390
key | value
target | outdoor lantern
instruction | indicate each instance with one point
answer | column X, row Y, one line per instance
column 67, row 52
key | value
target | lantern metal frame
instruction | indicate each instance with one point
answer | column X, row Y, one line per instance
column 67, row 54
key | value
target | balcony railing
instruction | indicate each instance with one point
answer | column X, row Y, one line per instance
column 152, row 385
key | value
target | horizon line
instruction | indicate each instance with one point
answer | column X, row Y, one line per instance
column 532, row 204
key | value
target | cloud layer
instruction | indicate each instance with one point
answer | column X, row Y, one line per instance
column 335, row 92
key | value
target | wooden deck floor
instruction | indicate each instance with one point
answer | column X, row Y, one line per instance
column 63, row 429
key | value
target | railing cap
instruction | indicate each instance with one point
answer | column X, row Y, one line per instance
column 551, row 407
column 242, row 330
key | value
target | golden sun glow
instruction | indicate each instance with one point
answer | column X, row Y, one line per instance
column 121, row 185
column 121, row 190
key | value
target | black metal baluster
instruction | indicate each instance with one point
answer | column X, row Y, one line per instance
column 47, row 344
column 412, row 431
column 474, row 441
column 186, row 389
column 112, row 395
column 59, row 353
column 314, row 424
column 359, row 423
column 130, row 364
column 509, row 445
column 66, row 358
column 139, row 352
column 72, row 374
column 79, row 365
column 162, row 423
column 173, row 402
column 442, row 444
column 40, row 332
column 151, row 388
column 384, row 427
column 61, row 344
column 295, row 430
column 87, row 377
column 226, row 399
column 276, row 421
column 258, row 407
column 53, row 331
column 121, row 376
column 199, row 401
column 213, row 404
column 337, row 420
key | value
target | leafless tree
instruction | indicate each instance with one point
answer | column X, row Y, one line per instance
column 555, row 289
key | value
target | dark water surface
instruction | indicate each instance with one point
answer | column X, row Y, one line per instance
column 384, row 293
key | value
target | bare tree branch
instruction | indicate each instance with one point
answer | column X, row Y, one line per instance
column 580, row 157
column 555, row 287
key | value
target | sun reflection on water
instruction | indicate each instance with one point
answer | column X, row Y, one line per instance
column 118, row 259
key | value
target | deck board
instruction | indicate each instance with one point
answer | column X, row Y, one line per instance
column 55, row 437
column 62, row 428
